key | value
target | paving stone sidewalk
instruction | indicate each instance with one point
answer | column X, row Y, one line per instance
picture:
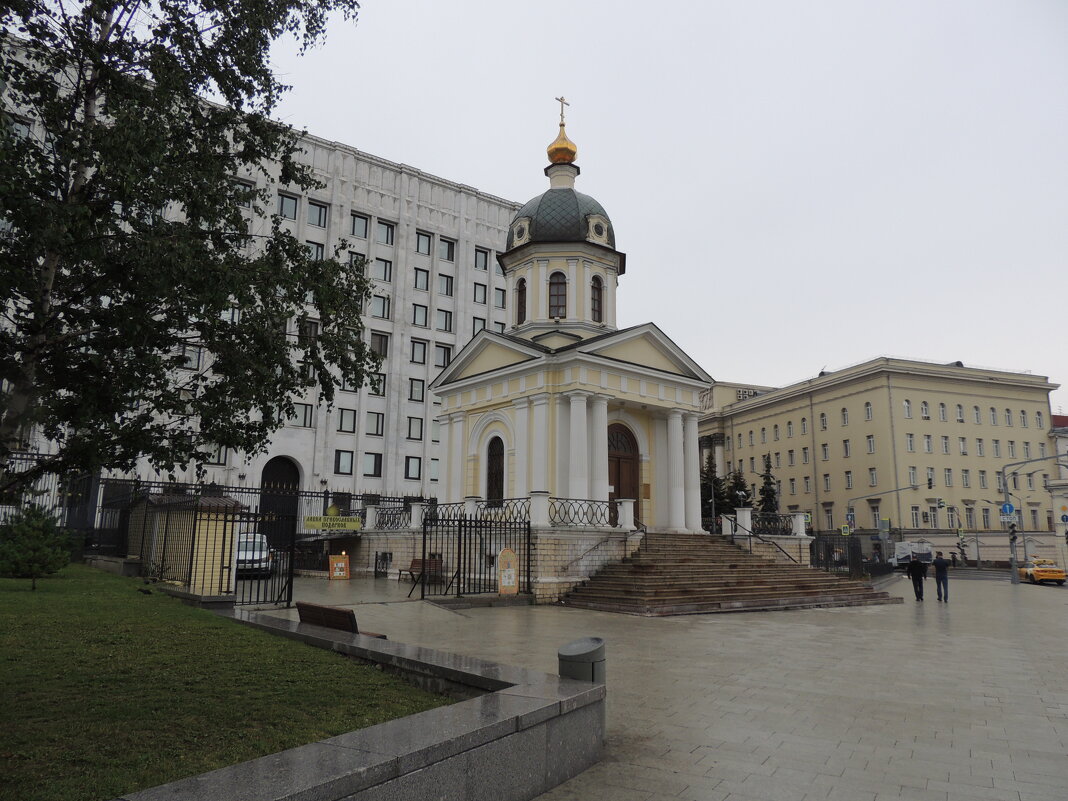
column 925, row 701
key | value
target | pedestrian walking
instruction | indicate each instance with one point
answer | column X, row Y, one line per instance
column 917, row 571
column 941, row 566
column 953, row 556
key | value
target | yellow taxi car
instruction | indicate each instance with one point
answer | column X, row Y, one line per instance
column 1038, row 570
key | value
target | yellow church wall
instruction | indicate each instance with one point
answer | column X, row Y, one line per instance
column 639, row 351
column 492, row 357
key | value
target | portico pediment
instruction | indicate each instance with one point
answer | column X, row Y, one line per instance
column 486, row 353
column 645, row 346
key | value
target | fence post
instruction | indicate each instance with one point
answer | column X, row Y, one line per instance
column 626, row 514
column 417, row 515
column 371, row 523
column 471, row 505
column 539, row 509
column 799, row 523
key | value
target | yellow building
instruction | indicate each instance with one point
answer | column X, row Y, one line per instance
column 564, row 402
column 921, row 445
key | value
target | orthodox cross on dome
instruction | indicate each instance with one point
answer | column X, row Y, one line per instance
column 562, row 103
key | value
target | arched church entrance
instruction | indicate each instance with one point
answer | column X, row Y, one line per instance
column 279, row 500
column 623, row 467
column 495, row 471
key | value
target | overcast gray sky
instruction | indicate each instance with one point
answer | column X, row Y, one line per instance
column 797, row 185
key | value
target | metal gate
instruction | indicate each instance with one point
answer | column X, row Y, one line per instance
column 460, row 553
column 838, row 554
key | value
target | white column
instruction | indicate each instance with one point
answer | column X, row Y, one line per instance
column 599, row 449
column 540, row 287
column 692, row 449
column 522, row 450
column 676, row 474
column 539, row 455
column 573, row 310
column 445, row 465
column 457, row 457
column 578, row 475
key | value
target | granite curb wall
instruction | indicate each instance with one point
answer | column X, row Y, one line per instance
column 522, row 734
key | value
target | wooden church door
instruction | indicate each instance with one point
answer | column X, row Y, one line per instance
column 623, row 461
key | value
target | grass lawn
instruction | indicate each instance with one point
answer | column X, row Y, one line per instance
column 104, row 690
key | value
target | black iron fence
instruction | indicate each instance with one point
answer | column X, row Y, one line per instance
column 836, row 553
column 574, row 512
column 769, row 525
column 460, row 555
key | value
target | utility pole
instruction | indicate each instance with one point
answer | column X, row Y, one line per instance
column 1005, row 473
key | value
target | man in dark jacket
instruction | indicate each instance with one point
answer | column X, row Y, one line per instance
column 941, row 566
column 917, row 571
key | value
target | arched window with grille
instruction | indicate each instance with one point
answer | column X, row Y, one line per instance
column 521, row 301
column 596, row 300
column 558, row 295
column 495, row 470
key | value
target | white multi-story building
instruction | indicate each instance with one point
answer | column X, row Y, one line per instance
column 431, row 248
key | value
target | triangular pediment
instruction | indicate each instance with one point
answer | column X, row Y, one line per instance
column 487, row 353
column 645, row 346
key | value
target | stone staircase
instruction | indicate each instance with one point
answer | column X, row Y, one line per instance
column 686, row 574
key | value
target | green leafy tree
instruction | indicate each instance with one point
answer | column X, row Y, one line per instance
column 32, row 545
column 738, row 492
column 769, row 492
column 148, row 286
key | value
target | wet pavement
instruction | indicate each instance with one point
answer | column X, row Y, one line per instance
column 947, row 702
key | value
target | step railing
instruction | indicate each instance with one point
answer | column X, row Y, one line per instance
column 750, row 535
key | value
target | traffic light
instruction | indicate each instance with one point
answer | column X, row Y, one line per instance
column 930, row 483
column 941, row 504
column 1012, row 532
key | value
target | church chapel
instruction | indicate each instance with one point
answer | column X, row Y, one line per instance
column 565, row 402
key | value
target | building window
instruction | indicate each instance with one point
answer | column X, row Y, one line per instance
column 435, row 431
column 751, row 440
column 979, row 447
column 947, row 476
column 965, row 478
column 845, row 448
column 908, row 409
column 962, row 443
column 480, row 293
column 849, row 479
column 382, row 270
column 826, row 482
column 384, row 233
column 477, row 324
column 910, row 443
column 380, row 344
column 925, row 411
column 442, row 355
column 867, row 411
column 346, row 421
column 422, row 279
column 416, row 389
column 793, row 486
column 945, row 445
column 557, row 295
column 872, row 477
column 999, row 480
column 498, row 327
column 217, row 456
column 422, row 243
column 415, row 428
column 875, row 516
column 960, row 413
column 778, row 459
column 317, row 213
column 343, row 463
column 1012, row 448
column 376, row 384
column 775, row 432
column 870, row 440
column 996, row 445
column 303, row 415
column 418, row 352
column 521, row 301
column 359, row 226
column 969, row 516
column 1038, row 420
column 845, row 416
column 420, row 315
column 825, row 452
column 790, row 458
column 500, row 297
column 808, row 483
column 828, row 515
column 915, row 516
column 928, row 444
column 443, row 320
column 445, row 285
column 1034, row 519
column 446, row 250
column 434, row 469
column 912, row 476
column 1042, row 449
column 372, row 465
column 413, row 468
column 986, row 517
column 932, row 516
column 993, row 416
column 596, row 297
column 823, row 421
column 942, row 412
column 982, row 479
column 1023, row 418
column 977, row 415
column 481, row 259
column 376, row 424
column 1008, row 417
column 804, row 425
column 380, row 306
column 951, row 517
column 763, row 436
column 789, row 429
column 315, row 251
column 287, row 207
column 189, row 356
column 804, row 456
column 930, row 478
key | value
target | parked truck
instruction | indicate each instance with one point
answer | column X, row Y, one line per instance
column 905, row 552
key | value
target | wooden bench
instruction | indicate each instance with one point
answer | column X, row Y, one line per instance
column 332, row 617
column 433, row 568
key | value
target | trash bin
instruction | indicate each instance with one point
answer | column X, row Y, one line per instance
column 583, row 659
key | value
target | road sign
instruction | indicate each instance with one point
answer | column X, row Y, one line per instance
column 808, row 518
column 845, row 531
column 1064, row 518
column 851, row 518
column 1007, row 508
column 960, row 533
column 1008, row 518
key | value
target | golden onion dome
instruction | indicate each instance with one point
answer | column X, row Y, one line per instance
column 562, row 150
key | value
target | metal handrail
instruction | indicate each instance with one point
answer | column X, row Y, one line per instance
column 752, row 534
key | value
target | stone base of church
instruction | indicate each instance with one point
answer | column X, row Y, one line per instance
column 564, row 558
